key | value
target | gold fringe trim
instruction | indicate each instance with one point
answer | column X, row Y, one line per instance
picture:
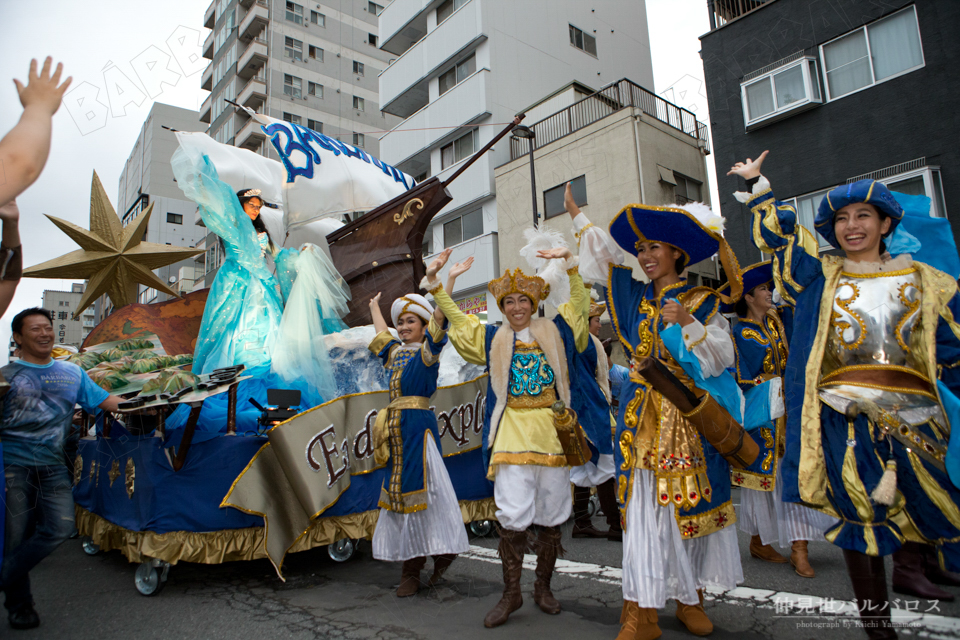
column 229, row 545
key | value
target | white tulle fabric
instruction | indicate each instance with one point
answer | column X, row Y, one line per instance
column 765, row 513
column 797, row 522
column 659, row 565
column 593, row 475
column 436, row 530
column 530, row 494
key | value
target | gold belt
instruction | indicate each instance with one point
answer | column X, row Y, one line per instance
column 899, row 380
column 545, row 399
column 380, row 432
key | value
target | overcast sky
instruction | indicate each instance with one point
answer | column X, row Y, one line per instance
column 103, row 37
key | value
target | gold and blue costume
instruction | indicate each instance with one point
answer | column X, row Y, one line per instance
column 867, row 342
column 413, row 374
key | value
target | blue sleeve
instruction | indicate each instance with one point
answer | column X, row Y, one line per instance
column 796, row 261
column 948, row 348
column 90, row 395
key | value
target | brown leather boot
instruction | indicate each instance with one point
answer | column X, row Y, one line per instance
column 931, row 568
column 511, row 549
column 582, row 524
column 765, row 552
column 908, row 576
column 607, row 495
column 410, row 578
column 870, row 590
column 637, row 623
column 440, row 564
column 694, row 618
column 548, row 548
column 800, row 560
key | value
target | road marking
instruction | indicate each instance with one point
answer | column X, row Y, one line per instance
column 794, row 605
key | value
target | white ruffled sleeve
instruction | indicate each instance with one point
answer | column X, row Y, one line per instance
column 712, row 344
column 597, row 250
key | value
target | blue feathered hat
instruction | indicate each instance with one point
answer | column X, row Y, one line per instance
column 752, row 276
column 694, row 229
column 867, row 191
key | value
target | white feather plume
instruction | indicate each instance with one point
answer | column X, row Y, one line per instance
column 705, row 215
column 594, row 295
column 552, row 271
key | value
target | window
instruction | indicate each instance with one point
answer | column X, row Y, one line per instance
column 61, row 303
column 687, row 189
column 374, row 8
column 461, row 148
column 458, row 74
column 318, row 19
column 315, row 125
column 371, row 39
column 446, row 9
column 358, row 103
column 292, row 86
column 315, row 89
column 358, row 140
column 583, row 41
column 873, row 53
column 785, row 89
column 174, row 218
column 807, row 207
column 316, row 53
column 463, row 228
column 425, row 247
column 294, row 13
column 358, row 68
column 291, row 118
column 292, row 48
column 915, row 178
column 66, row 303
column 553, row 198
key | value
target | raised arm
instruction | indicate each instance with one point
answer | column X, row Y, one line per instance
column 597, row 249
column 466, row 333
column 379, row 324
column 24, row 150
column 11, row 257
column 775, row 230
column 575, row 312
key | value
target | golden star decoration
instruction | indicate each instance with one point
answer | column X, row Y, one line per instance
column 113, row 258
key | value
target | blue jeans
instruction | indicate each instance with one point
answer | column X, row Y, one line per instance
column 39, row 513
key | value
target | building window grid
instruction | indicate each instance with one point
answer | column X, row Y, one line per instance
column 293, row 48
column 315, row 125
column 292, row 86
column 780, row 91
column 372, row 39
column 358, row 103
column 316, row 53
column 374, row 8
column 174, row 218
column 292, row 118
column 358, row 140
column 463, row 228
column 553, row 197
column 458, row 73
column 294, row 13
column 314, row 89
column 869, row 57
column 318, row 19
column 358, row 67
column 460, row 149
column 583, row 40
column 447, row 9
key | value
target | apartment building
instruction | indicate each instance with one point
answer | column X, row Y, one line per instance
column 146, row 179
column 463, row 69
column 61, row 305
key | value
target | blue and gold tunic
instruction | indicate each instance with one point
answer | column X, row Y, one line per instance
column 413, row 372
column 760, row 351
column 869, row 338
column 651, row 432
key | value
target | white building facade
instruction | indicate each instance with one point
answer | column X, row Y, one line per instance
column 62, row 305
column 463, row 69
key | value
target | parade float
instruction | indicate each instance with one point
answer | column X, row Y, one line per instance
column 199, row 465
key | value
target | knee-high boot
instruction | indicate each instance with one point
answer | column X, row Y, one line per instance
column 582, row 524
column 548, row 548
column 870, row 590
column 511, row 549
column 606, row 493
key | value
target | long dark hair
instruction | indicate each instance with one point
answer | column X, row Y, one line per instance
column 258, row 224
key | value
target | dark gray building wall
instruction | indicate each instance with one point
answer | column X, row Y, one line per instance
column 907, row 117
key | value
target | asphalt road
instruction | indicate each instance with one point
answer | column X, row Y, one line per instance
column 82, row 597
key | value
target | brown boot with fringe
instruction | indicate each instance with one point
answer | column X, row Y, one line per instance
column 694, row 618
column 511, row 549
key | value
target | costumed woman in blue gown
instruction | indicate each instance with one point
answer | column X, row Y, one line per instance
column 245, row 320
column 419, row 513
column 868, row 421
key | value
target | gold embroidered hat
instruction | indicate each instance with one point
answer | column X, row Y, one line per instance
column 596, row 309
column 534, row 287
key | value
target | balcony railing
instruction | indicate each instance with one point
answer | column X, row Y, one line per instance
column 610, row 99
column 724, row 11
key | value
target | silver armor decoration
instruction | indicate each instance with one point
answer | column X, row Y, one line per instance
column 872, row 322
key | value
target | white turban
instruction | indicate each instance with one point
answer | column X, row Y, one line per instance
column 411, row 303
